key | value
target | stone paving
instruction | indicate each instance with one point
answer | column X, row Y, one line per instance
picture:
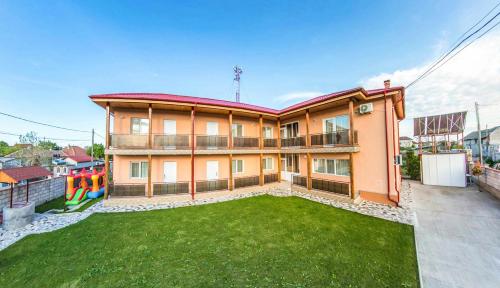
column 47, row 222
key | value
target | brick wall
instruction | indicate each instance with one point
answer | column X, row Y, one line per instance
column 39, row 192
column 490, row 181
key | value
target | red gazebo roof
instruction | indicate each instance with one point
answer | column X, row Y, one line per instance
column 14, row 175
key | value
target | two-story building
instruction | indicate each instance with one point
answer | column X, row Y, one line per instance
column 344, row 143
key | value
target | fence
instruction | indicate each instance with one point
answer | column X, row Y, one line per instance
column 490, row 181
column 39, row 192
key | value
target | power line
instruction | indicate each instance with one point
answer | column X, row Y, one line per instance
column 44, row 124
column 455, row 47
column 48, row 138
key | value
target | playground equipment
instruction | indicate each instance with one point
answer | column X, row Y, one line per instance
column 83, row 186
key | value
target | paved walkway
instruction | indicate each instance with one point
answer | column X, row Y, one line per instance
column 458, row 236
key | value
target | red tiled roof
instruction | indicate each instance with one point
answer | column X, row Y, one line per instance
column 74, row 151
column 80, row 159
column 23, row 173
column 231, row 104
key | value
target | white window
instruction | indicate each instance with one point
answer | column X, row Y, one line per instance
column 138, row 169
column 267, row 132
column 237, row 166
column 334, row 124
column 338, row 167
column 139, row 126
column 237, row 130
column 267, row 163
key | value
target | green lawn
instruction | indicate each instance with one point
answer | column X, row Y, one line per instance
column 255, row 242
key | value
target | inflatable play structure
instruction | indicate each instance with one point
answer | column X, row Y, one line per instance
column 83, row 186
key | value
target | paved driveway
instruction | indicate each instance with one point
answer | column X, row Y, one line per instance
column 458, row 236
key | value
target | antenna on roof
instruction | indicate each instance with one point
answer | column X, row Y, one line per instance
column 237, row 72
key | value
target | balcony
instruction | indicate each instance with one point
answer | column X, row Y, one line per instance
column 129, row 141
column 330, row 186
column 211, row 185
column 299, row 180
column 211, row 142
column 299, row 141
column 331, row 139
column 245, row 142
column 246, row 181
column 270, row 178
column 127, row 189
column 270, row 143
column 170, row 188
column 161, row 141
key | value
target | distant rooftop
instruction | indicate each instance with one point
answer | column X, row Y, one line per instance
column 484, row 133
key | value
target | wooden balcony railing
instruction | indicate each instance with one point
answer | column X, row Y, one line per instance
column 299, row 180
column 245, row 142
column 246, row 181
column 331, row 139
column 299, row 141
column 211, row 185
column 270, row 142
column 127, row 189
column 161, row 141
column 129, row 141
column 211, row 142
column 330, row 186
column 170, row 188
column 270, row 178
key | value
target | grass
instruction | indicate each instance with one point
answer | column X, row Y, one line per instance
column 58, row 203
column 255, row 242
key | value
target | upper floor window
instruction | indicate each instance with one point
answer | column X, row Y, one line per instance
column 267, row 132
column 139, row 126
column 289, row 130
column 335, row 124
column 237, row 130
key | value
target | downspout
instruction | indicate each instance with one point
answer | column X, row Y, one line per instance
column 394, row 152
column 387, row 147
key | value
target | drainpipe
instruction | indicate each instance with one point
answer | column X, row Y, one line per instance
column 394, row 152
column 387, row 83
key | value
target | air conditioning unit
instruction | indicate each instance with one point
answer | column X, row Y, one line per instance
column 366, row 108
column 398, row 159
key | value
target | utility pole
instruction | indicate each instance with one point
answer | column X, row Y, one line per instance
column 237, row 72
column 92, row 150
column 479, row 135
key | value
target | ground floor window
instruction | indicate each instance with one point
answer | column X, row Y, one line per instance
column 290, row 163
column 237, row 166
column 267, row 163
column 138, row 169
column 338, row 167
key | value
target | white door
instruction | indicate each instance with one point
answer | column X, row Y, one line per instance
column 212, row 128
column 170, row 172
column 169, row 127
column 212, row 170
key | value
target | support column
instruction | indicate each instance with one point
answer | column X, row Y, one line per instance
column 308, row 138
column 28, row 190
column 150, row 164
column 351, row 122
column 309, row 166
column 106, row 155
column 261, row 171
column 230, row 132
column 261, row 143
column 150, row 146
column 11, row 194
column 351, row 175
column 230, row 172
column 278, row 144
column 192, row 152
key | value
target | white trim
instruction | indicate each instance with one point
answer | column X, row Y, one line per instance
column 140, row 168
column 272, row 132
column 242, row 166
column 272, row 163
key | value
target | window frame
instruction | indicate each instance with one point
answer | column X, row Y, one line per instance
column 264, row 161
column 264, row 132
column 233, row 165
column 242, row 130
column 334, row 118
column 140, row 125
column 140, row 163
column 325, row 165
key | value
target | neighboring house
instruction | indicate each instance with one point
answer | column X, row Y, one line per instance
column 331, row 143
column 405, row 142
column 490, row 139
column 65, row 165
column 74, row 151
column 9, row 162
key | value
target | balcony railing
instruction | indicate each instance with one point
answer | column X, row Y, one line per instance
column 270, row 142
column 246, row 181
column 331, row 139
column 330, row 186
column 245, row 142
column 129, row 141
column 127, row 189
column 270, row 178
column 211, row 142
column 211, row 185
column 299, row 180
column 299, row 141
column 171, row 141
column 170, row 188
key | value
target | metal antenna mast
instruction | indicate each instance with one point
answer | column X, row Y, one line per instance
column 237, row 72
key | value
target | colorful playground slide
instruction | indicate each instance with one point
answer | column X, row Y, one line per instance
column 76, row 195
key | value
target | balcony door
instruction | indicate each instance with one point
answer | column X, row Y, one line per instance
column 169, row 131
column 336, row 130
column 289, row 130
column 212, row 128
column 169, row 172
column 289, row 166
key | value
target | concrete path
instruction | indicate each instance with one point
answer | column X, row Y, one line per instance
column 458, row 236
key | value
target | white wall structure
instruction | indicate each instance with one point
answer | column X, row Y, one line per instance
column 444, row 169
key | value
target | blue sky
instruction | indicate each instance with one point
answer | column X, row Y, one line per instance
column 54, row 54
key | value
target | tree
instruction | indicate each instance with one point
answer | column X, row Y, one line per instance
column 5, row 149
column 48, row 145
column 98, row 151
column 29, row 138
column 412, row 165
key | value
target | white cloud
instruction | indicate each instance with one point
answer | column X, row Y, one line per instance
column 303, row 95
column 473, row 75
